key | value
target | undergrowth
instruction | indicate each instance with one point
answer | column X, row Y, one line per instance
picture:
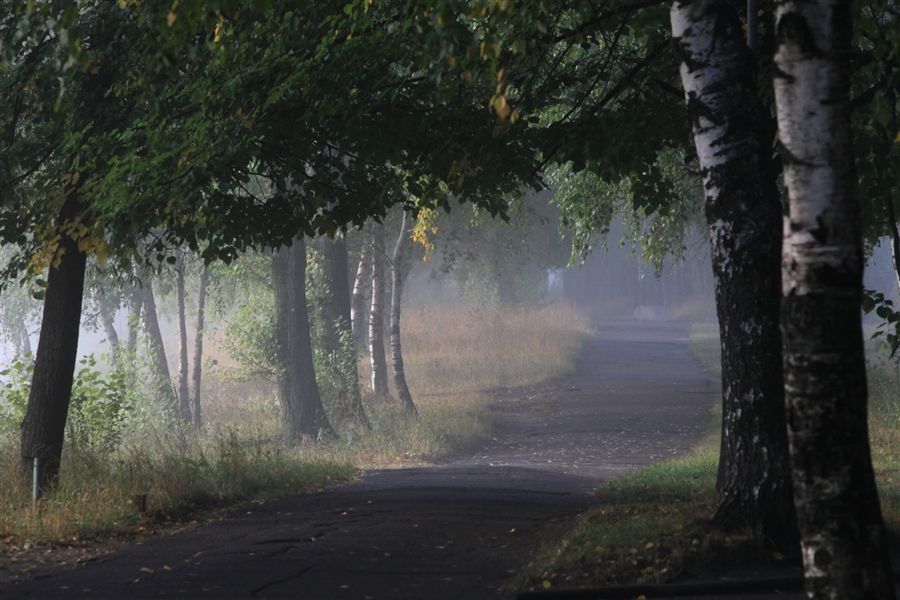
column 157, row 471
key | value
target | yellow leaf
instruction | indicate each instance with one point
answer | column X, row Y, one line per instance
column 547, row 584
column 146, row 570
column 170, row 20
column 648, row 546
column 167, row 568
column 502, row 107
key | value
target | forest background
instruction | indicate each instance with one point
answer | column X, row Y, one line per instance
column 139, row 135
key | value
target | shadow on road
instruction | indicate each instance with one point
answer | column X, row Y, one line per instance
column 453, row 531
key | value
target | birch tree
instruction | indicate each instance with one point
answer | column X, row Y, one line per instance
column 743, row 211
column 377, row 357
column 397, row 277
column 358, row 298
column 842, row 534
column 184, row 401
column 197, row 376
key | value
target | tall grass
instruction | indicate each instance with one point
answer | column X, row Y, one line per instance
column 160, row 471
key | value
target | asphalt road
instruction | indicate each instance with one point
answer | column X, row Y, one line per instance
column 453, row 531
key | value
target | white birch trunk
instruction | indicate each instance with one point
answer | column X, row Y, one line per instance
column 377, row 357
column 743, row 211
column 358, row 298
column 184, row 401
column 397, row 277
column 842, row 535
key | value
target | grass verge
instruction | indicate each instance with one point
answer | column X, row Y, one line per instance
column 652, row 525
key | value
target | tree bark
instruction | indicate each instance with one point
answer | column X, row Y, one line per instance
column 196, row 414
column 358, row 298
column 376, row 314
column 184, row 400
column 156, row 347
column 301, row 405
column 743, row 211
column 44, row 425
column 335, row 312
column 843, row 541
column 397, row 277
column 23, row 344
column 895, row 236
column 337, row 307
column 135, row 308
column 107, row 315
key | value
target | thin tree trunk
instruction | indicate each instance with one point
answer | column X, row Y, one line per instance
column 376, row 314
column 156, row 347
column 107, row 315
column 358, row 298
column 895, row 236
column 23, row 344
column 135, row 308
column 335, row 313
column 397, row 277
column 196, row 414
column 743, row 210
column 184, row 400
column 843, row 541
column 44, row 425
column 302, row 411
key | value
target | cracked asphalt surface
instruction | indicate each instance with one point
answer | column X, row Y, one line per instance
column 452, row 531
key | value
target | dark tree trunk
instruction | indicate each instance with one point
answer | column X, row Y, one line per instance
column 844, row 547
column 397, row 277
column 44, row 425
column 302, row 411
column 335, row 313
column 743, row 210
column 157, row 349
column 358, row 300
column 184, row 400
column 196, row 414
column 336, row 309
column 376, row 314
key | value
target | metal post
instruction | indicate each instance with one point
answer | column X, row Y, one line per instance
column 36, row 480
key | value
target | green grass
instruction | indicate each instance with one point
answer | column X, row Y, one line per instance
column 652, row 526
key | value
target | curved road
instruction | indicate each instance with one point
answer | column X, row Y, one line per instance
column 452, row 531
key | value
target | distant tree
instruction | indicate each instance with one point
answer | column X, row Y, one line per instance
column 398, row 275
column 332, row 310
column 377, row 356
column 197, row 373
column 303, row 415
column 183, row 391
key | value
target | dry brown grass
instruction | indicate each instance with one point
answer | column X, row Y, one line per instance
column 454, row 356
